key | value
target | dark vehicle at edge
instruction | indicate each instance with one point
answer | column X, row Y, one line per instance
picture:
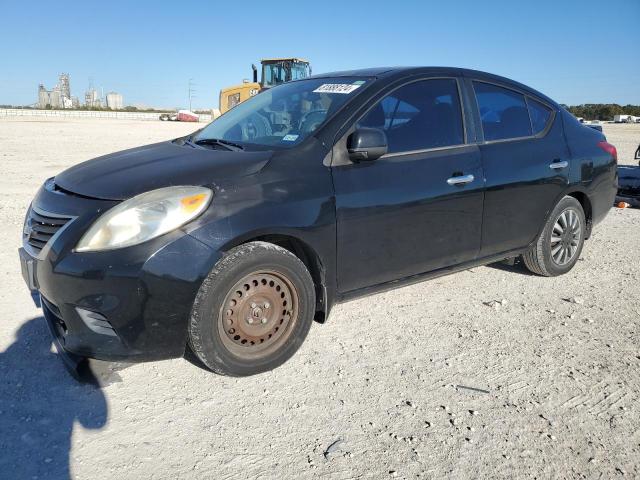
column 629, row 185
column 231, row 241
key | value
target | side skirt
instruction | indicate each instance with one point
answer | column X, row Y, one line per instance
column 384, row 287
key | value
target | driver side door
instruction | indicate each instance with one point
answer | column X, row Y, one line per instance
column 405, row 214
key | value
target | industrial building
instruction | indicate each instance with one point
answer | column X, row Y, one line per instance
column 115, row 101
column 59, row 96
column 92, row 98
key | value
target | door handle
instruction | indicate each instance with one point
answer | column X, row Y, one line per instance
column 460, row 180
column 558, row 165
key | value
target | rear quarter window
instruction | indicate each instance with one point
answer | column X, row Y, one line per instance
column 540, row 115
column 503, row 112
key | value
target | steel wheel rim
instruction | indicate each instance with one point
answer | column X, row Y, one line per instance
column 258, row 314
column 565, row 237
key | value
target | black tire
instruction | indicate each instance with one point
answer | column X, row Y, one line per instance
column 540, row 258
column 212, row 340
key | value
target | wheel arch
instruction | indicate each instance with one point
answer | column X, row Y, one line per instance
column 306, row 254
column 585, row 202
column 583, row 198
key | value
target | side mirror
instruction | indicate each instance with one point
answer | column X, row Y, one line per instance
column 367, row 144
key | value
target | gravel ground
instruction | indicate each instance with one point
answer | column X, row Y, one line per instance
column 491, row 372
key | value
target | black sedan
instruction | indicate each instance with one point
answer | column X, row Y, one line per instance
column 230, row 242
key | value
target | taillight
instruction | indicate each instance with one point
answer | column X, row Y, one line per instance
column 610, row 149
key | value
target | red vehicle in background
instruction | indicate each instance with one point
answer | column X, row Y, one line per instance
column 181, row 116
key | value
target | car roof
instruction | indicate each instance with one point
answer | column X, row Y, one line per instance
column 362, row 72
column 386, row 72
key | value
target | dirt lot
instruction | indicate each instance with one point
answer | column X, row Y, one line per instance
column 488, row 372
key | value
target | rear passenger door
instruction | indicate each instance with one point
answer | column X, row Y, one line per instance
column 406, row 213
column 525, row 161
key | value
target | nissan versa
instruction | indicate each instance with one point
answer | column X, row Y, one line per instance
column 231, row 241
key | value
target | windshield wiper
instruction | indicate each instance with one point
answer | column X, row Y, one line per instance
column 184, row 141
column 218, row 141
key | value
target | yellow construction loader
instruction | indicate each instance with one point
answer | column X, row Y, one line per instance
column 274, row 72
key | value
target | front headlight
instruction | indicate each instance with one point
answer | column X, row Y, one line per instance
column 144, row 217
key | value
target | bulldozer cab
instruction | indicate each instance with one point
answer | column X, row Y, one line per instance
column 279, row 70
column 274, row 72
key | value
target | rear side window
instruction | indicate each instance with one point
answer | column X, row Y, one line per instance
column 420, row 115
column 540, row 115
column 503, row 112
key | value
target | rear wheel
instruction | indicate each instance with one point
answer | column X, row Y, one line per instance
column 253, row 311
column 559, row 246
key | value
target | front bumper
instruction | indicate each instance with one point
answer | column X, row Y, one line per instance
column 71, row 361
column 141, row 295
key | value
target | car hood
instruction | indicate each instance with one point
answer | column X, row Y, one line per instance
column 122, row 175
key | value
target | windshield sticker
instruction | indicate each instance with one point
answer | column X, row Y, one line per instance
column 290, row 138
column 344, row 88
column 358, row 82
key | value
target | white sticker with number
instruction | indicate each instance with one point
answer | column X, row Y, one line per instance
column 344, row 88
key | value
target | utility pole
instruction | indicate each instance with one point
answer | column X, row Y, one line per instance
column 191, row 92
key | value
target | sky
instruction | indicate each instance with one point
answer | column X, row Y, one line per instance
column 575, row 51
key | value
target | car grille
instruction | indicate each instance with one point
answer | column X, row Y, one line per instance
column 39, row 227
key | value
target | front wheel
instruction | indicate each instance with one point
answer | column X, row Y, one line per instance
column 253, row 311
column 559, row 246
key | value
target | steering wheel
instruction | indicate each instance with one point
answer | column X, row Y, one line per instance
column 256, row 126
column 312, row 120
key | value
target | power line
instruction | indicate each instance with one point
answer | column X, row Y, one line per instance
column 192, row 92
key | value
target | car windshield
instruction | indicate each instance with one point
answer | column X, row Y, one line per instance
column 285, row 115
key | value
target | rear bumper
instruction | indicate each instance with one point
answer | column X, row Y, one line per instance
column 602, row 194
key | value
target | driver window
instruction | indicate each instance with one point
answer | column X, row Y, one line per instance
column 419, row 115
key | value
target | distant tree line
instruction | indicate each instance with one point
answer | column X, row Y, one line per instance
column 603, row 111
